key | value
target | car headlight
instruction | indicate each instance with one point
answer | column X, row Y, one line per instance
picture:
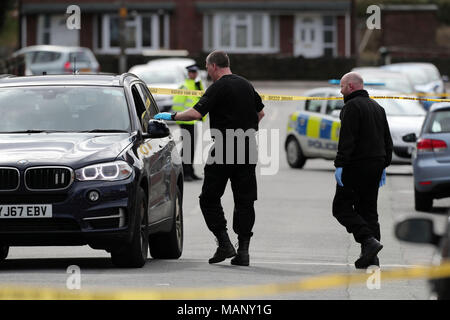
column 111, row 171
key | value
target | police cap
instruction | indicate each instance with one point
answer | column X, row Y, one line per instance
column 192, row 68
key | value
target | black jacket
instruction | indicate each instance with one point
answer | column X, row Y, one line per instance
column 364, row 134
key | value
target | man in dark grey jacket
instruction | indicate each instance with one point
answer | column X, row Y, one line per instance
column 364, row 151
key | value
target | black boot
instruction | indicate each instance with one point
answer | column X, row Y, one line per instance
column 369, row 251
column 225, row 249
column 242, row 258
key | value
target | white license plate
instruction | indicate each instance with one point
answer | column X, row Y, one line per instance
column 26, row 211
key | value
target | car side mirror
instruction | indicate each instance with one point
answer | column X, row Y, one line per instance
column 411, row 137
column 445, row 78
column 417, row 230
column 156, row 129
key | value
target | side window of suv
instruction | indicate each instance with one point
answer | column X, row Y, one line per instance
column 140, row 106
column 150, row 103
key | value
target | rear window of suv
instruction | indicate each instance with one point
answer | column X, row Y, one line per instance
column 440, row 122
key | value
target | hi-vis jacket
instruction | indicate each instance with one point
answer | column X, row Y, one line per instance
column 182, row 103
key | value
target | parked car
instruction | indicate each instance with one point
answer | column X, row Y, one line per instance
column 51, row 59
column 83, row 162
column 388, row 80
column 313, row 130
column 165, row 73
column 425, row 78
column 431, row 157
column 421, row 230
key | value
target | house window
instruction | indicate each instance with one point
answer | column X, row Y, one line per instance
column 329, row 36
column 142, row 32
column 44, row 23
column 241, row 32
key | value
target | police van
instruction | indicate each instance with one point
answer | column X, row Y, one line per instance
column 313, row 130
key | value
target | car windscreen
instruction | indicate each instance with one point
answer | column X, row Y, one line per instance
column 63, row 108
column 160, row 75
column 394, row 107
column 440, row 122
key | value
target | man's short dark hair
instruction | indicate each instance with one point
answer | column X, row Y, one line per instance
column 220, row 58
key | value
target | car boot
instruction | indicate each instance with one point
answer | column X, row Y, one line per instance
column 369, row 250
column 225, row 249
column 242, row 258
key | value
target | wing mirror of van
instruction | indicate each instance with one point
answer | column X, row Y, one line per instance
column 336, row 113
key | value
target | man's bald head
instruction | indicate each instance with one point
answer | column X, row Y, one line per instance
column 351, row 82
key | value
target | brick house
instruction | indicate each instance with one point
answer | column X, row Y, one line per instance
column 288, row 28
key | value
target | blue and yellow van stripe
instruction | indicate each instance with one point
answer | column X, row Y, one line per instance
column 316, row 127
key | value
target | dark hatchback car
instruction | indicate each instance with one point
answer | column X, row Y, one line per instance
column 83, row 162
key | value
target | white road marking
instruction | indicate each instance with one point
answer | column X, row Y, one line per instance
column 311, row 263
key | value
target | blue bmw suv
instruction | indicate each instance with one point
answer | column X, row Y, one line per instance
column 83, row 162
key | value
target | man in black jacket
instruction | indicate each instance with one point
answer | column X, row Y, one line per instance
column 235, row 109
column 364, row 151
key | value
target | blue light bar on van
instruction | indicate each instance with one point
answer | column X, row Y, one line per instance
column 337, row 81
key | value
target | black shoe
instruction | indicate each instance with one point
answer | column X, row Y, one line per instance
column 242, row 258
column 188, row 178
column 224, row 250
column 375, row 262
column 369, row 251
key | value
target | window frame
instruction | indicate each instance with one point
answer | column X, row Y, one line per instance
column 213, row 31
column 156, row 33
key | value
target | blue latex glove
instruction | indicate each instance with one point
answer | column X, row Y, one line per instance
column 383, row 178
column 163, row 116
column 338, row 175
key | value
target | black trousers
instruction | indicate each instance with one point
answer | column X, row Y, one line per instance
column 188, row 147
column 355, row 204
column 243, row 185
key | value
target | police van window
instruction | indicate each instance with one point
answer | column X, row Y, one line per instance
column 334, row 104
column 138, row 103
column 150, row 103
column 314, row 105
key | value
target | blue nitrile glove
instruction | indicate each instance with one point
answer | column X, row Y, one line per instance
column 163, row 116
column 338, row 175
column 383, row 178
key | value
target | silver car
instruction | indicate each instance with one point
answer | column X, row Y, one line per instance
column 52, row 59
column 425, row 77
column 387, row 79
column 313, row 130
column 167, row 73
column 431, row 157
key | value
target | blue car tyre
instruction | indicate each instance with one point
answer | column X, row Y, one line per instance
column 294, row 154
column 135, row 253
column 422, row 201
column 170, row 245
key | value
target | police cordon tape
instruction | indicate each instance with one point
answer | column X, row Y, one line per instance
column 331, row 281
column 273, row 97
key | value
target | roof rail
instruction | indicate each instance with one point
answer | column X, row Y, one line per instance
column 124, row 75
column 6, row 75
